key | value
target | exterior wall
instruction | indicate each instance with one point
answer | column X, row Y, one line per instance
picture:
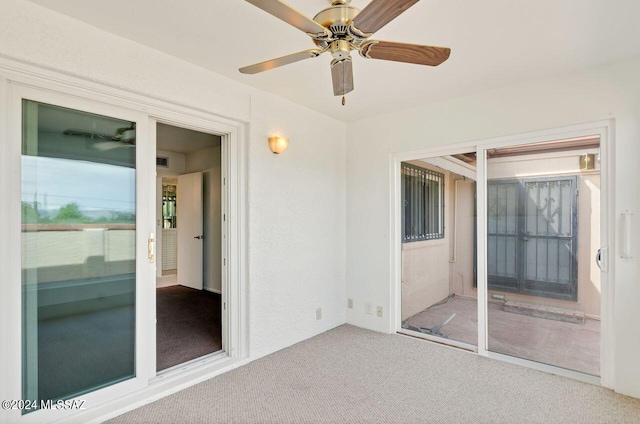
column 611, row 91
column 56, row 256
column 425, row 280
column 462, row 254
column 296, row 200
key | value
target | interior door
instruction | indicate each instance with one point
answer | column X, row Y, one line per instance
column 190, row 231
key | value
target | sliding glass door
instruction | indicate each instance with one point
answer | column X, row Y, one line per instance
column 81, row 266
column 543, row 233
column 507, row 253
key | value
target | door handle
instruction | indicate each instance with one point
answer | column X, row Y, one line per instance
column 151, row 244
column 199, row 237
column 602, row 259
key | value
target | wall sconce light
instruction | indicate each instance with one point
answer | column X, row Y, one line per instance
column 278, row 144
column 587, row 162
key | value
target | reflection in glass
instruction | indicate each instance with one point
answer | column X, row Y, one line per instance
column 543, row 229
column 78, row 251
column 439, row 297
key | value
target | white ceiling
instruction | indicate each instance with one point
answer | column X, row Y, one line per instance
column 494, row 43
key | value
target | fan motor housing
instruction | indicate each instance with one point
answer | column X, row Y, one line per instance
column 337, row 18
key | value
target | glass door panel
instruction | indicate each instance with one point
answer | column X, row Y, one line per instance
column 439, row 291
column 78, row 251
column 543, row 231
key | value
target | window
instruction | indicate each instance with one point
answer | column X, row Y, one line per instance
column 423, row 203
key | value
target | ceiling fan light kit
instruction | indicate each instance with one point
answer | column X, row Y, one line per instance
column 339, row 29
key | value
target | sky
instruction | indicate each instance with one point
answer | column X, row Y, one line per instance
column 92, row 185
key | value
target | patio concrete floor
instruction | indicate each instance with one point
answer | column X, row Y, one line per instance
column 572, row 346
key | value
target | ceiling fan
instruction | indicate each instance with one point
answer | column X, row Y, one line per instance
column 124, row 137
column 340, row 29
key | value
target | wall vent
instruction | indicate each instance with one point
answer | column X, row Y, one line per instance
column 162, row 161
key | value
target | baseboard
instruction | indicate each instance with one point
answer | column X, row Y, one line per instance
column 209, row 289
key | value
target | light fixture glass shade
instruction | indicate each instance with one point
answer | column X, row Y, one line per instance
column 278, row 144
column 587, row 162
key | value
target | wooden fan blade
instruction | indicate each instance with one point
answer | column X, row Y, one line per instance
column 290, row 16
column 280, row 61
column 342, row 76
column 403, row 52
column 378, row 13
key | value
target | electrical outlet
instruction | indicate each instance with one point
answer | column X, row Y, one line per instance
column 319, row 313
column 350, row 303
column 379, row 311
column 368, row 309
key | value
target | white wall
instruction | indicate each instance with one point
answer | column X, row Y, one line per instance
column 297, row 221
column 296, row 201
column 203, row 159
column 176, row 163
column 611, row 91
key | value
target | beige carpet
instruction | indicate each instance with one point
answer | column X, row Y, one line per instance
column 350, row 375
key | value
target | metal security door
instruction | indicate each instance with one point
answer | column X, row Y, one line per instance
column 532, row 236
column 502, row 238
column 549, row 239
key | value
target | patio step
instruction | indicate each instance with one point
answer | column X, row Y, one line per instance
column 548, row 312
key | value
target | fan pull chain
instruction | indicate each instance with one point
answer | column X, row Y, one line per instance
column 343, row 72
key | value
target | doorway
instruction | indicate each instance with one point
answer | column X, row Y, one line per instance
column 189, row 245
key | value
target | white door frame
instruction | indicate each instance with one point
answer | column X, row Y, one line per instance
column 605, row 129
column 53, row 87
column 233, row 304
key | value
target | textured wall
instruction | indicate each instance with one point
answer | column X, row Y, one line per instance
column 611, row 91
column 425, row 264
column 297, row 220
column 296, row 200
